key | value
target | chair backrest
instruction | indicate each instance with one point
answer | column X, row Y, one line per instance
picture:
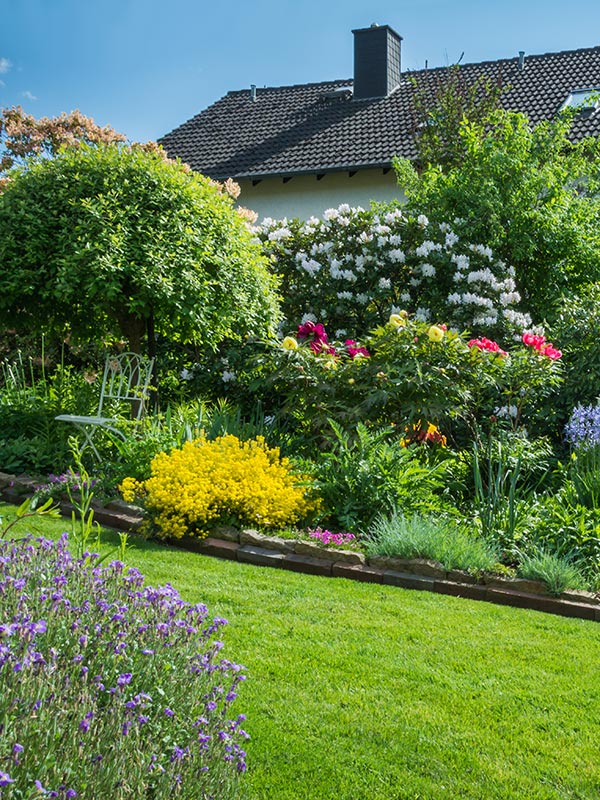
column 126, row 379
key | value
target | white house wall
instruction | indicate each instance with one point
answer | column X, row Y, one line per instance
column 304, row 196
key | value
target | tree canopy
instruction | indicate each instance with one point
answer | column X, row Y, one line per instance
column 527, row 192
column 107, row 237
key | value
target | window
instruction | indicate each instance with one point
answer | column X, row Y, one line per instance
column 584, row 100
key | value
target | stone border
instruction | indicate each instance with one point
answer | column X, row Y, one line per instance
column 251, row 547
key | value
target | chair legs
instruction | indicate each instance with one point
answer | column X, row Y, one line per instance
column 88, row 432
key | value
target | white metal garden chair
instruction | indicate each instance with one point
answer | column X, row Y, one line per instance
column 125, row 383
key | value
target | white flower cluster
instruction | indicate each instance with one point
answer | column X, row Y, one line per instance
column 352, row 266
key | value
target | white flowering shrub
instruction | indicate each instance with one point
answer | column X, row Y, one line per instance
column 354, row 266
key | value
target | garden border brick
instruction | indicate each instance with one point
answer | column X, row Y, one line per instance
column 252, row 547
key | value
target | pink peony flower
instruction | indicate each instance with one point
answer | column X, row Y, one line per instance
column 354, row 350
column 488, row 345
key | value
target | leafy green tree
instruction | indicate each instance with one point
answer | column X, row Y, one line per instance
column 106, row 238
column 442, row 101
column 527, row 192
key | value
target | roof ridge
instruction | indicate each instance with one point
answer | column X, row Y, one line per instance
column 341, row 81
column 505, row 60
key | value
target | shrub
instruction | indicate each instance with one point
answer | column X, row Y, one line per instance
column 526, row 191
column 576, row 328
column 413, row 374
column 102, row 239
column 353, row 267
column 567, row 528
column 30, row 397
column 369, row 473
column 403, row 536
column 224, row 480
column 109, row 688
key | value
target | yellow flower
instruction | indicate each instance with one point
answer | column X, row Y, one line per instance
column 289, row 343
column 398, row 320
column 192, row 488
column 435, row 333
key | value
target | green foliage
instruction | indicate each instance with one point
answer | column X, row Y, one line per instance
column 503, row 504
column 576, row 328
column 409, row 379
column 443, row 100
column 30, row 397
column 557, row 572
column 442, row 540
column 526, row 192
column 367, row 474
column 564, row 527
column 584, row 472
column 109, row 238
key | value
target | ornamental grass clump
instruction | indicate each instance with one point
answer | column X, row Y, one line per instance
column 109, row 688
column 220, row 481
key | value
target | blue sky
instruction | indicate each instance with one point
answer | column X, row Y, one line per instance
column 145, row 67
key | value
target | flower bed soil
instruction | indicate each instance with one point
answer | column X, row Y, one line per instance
column 252, row 547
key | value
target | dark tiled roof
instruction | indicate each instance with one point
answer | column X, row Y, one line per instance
column 303, row 129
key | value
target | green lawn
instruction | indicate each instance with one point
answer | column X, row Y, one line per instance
column 362, row 691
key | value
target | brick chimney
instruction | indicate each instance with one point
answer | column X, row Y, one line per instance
column 376, row 61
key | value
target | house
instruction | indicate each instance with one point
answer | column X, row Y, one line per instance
column 297, row 150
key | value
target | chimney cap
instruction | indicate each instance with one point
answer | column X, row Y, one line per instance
column 380, row 27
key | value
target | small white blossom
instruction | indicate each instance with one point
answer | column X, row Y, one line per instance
column 278, row 235
column 344, row 295
column 228, row 376
column 363, row 299
column 422, row 221
column 330, row 214
column 312, row 266
column 462, row 262
column 422, row 314
column 385, row 283
column 396, row 256
column 405, row 297
column 308, row 318
column 340, row 333
column 427, row 270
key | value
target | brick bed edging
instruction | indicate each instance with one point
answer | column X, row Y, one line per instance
column 252, row 547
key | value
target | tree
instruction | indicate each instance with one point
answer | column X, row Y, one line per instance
column 22, row 136
column 527, row 192
column 442, row 101
column 104, row 237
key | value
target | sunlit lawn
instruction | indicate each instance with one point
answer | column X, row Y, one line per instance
column 364, row 691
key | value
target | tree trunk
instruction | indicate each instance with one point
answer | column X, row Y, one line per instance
column 154, row 398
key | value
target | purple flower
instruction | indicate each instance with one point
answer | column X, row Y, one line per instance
column 5, row 779
column 583, row 429
column 124, row 679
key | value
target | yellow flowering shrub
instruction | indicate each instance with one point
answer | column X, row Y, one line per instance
column 224, row 480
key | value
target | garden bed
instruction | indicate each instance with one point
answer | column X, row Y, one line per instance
column 252, row 547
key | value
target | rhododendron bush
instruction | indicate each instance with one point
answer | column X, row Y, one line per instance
column 354, row 266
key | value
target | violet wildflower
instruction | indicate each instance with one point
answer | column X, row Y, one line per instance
column 583, row 429
column 5, row 779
